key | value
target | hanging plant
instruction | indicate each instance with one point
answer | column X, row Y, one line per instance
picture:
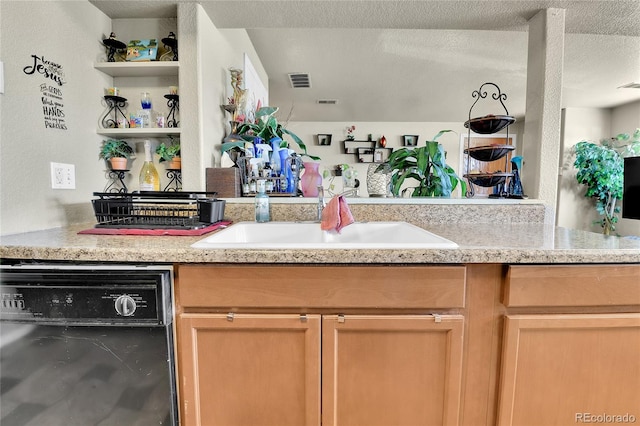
column 601, row 167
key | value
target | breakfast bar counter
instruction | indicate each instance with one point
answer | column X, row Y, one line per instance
column 477, row 243
column 473, row 335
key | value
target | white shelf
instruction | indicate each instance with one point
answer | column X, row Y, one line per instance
column 140, row 133
column 138, row 69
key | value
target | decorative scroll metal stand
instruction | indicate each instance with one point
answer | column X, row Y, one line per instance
column 116, row 181
column 174, row 106
column 488, row 125
column 175, row 180
column 114, row 46
column 115, row 103
column 171, row 43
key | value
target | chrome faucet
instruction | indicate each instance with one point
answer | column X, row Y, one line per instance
column 352, row 192
column 321, row 204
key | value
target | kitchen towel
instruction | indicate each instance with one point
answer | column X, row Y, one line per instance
column 175, row 232
column 336, row 215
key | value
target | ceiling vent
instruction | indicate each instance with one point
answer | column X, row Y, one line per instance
column 327, row 101
column 299, row 80
column 630, row 86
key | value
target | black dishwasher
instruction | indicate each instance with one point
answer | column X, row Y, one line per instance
column 86, row 345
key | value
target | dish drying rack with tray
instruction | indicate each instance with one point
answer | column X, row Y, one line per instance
column 487, row 125
column 157, row 210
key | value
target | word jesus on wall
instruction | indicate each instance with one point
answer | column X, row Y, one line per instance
column 50, row 95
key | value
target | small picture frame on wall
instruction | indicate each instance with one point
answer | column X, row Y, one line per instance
column 410, row 140
column 324, row 139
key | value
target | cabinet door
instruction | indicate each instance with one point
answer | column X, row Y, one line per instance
column 249, row 369
column 561, row 369
column 391, row 370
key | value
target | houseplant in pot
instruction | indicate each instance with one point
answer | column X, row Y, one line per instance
column 116, row 152
column 427, row 165
column 267, row 131
column 170, row 153
column 267, row 128
column 600, row 167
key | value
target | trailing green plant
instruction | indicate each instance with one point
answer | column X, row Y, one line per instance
column 427, row 165
column 601, row 168
column 168, row 152
column 115, row 148
column 266, row 126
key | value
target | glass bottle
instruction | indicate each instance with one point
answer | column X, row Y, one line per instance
column 145, row 100
column 146, row 114
column 149, row 178
column 263, row 210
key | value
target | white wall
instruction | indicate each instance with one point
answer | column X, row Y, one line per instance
column 334, row 154
column 69, row 34
column 626, row 119
column 591, row 124
column 205, row 58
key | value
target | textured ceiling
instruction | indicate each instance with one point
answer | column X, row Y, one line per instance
column 420, row 60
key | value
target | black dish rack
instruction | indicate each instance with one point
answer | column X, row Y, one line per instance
column 157, row 210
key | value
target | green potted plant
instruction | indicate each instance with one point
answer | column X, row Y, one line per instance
column 266, row 127
column 116, row 152
column 427, row 165
column 600, row 167
column 170, row 153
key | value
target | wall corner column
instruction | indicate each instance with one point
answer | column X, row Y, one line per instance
column 541, row 147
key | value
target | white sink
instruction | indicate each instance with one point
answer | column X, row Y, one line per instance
column 308, row 235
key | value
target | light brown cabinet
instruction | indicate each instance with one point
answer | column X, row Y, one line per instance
column 261, row 363
column 558, row 369
column 360, row 344
column 250, row 369
column 563, row 368
column 391, row 370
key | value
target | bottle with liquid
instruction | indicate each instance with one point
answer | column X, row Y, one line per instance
column 145, row 100
column 146, row 114
column 149, row 178
column 263, row 210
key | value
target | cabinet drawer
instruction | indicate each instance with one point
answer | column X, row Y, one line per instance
column 565, row 285
column 320, row 286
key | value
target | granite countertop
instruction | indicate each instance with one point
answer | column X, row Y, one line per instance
column 478, row 243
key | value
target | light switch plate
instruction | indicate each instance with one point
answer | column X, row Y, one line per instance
column 63, row 176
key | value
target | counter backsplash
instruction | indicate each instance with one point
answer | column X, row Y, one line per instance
column 419, row 214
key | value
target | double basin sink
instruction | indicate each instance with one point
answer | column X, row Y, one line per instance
column 308, row 235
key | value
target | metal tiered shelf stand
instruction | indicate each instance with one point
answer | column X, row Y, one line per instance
column 115, row 104
column 116, row 181
column 173, row 103
column 114, row 46
column 489, row 124
column 171, row 43
column 175, row 180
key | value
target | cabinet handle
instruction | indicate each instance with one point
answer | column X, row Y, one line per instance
column 303, row 317
column 230, row 316
column 437, row 318
column 341, row 318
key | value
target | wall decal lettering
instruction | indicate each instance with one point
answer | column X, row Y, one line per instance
column 50, row 93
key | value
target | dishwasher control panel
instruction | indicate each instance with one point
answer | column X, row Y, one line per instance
column 81, row 297
column 45, row 302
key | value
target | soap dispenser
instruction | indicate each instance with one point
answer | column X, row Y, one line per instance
column 263, row 209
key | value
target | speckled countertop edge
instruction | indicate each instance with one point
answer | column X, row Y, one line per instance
column 508, row 243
